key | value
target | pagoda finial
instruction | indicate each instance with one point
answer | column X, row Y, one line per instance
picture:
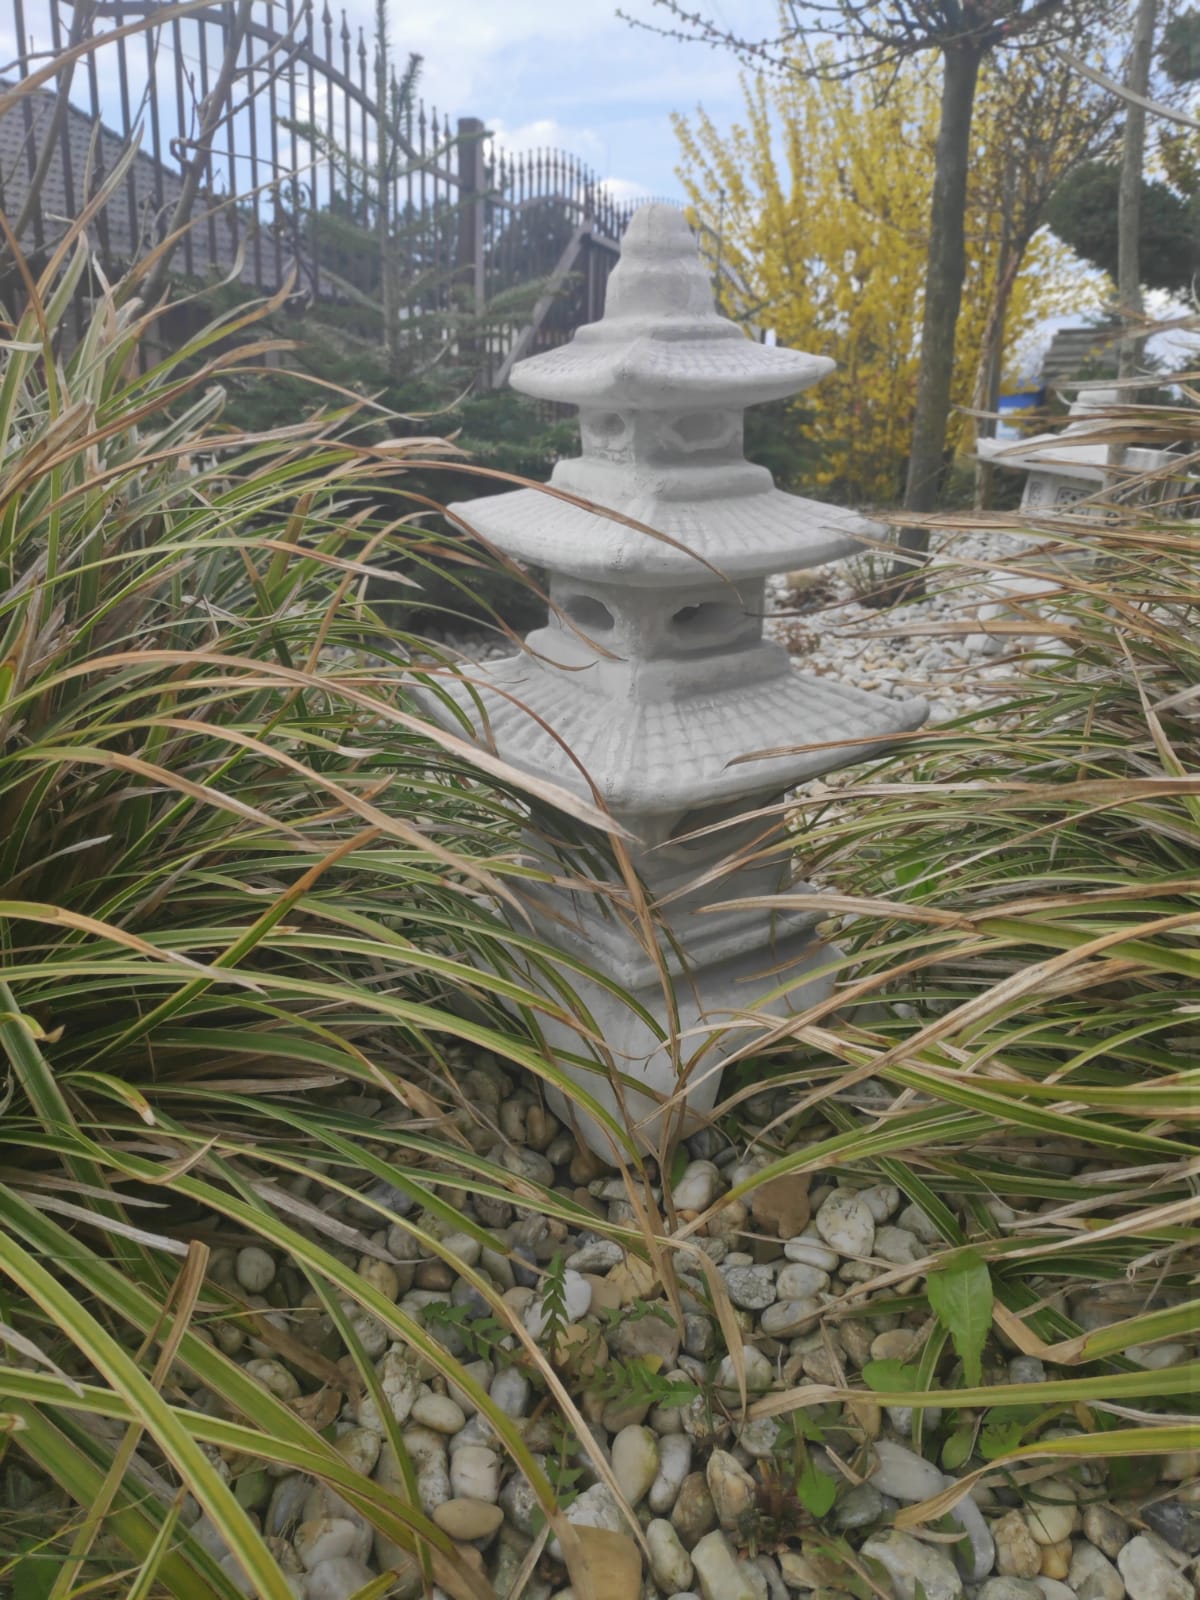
column 660, row 274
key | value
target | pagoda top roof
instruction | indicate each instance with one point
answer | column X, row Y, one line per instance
column 662, row 342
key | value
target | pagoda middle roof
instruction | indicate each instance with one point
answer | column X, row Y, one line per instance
column 741, row 535
column 665, row 367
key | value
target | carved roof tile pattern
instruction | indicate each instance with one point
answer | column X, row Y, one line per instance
column 663, row 756
column 661, row 341
column 737, row 371
column 745, row 535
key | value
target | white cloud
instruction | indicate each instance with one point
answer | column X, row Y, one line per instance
column 547, row 133
column 624, row 189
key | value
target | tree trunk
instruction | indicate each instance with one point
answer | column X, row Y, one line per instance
column 991, row 359
column 943, row 295
column 1129, row 198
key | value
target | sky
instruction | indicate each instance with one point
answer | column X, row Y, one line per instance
column 572, row 74
column 565, row 73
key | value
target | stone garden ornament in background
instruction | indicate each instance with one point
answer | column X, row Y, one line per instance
column 652, row 683
column 1067, row 468
column 1067, row 474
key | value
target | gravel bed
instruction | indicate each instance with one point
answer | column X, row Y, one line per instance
column 817, row 615
column 803, row 1263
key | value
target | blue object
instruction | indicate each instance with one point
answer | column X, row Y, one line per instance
column 1011, row 405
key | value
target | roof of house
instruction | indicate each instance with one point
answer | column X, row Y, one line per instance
column 1074, row 350
column 135, row 216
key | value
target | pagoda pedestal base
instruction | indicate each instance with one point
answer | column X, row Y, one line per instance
column 664, row 1081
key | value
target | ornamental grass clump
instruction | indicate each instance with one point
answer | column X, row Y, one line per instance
column 1015, row 1039
column 247, row 964
column 281, row 1205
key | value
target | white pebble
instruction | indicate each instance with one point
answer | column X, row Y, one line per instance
column 799, row 1281
column 1051, row 1511
column 722, row 1576
column 337, row 1579
column 1149, row 1572
column 326, row 1538
column 787, row 1318
column 255, row 1269
column 846, row 1224
column 897, row 1245
column 463, row 1247
column 759, row 1372
column 809, row 1250
column 274, row 1376
column 475, row 1473
column 908, row 1563
column 674, row 1464
column 510, row 1392
column 669, row 1561
column 732, row 1488
column 698, row 1187
column 439, row 1412
column 635, row 1458
column 881, row 1201
column 577, row 1297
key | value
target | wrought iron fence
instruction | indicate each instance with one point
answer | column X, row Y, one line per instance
column 292, row 129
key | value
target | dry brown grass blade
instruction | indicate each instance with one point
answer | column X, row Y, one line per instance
column 381, row 824
column 266, row 674
column 727, row 1320
column 59, row 916
column 849, row 905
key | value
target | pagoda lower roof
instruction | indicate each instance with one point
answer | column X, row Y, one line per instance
column 740, row 535
column 656, row 756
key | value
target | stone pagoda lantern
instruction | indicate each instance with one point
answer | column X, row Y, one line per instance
column 654, row 680
column 1067, row 473
column 1067, row 467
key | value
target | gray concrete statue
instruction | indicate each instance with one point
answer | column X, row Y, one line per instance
column 652, row 685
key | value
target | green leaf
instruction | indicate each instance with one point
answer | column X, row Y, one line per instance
column 806, row 1426
column 1134, row 1476
column 892, row 1377
column 679, row 1164
column 961, row 1297
column 816, row 1491
column 34, row 1574
column 957, row 1448
column 1000, row 1439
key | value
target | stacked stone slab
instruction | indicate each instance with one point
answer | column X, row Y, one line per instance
column 652, row 685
